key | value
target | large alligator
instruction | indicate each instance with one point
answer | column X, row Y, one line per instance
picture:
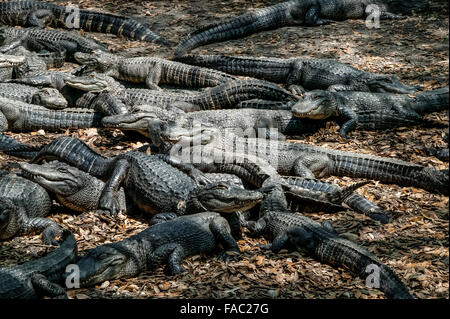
column 227, row 95
column 48, row 97
column 23, row 208
column 294, row 13
column 371, row 110
column 247, row 121
column 287, row 230
column 154, row 183
column 302, row 73
column 310, row 161
column 164, row 243
column 40, row 277
column 30, row 13
column 70, row 41
column 20, row 116
column 151, row 70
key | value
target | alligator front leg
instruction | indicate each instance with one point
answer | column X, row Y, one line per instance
column 50, row 230
column 220, row 229
column 162, row 217
column 43, row 287
column 108, row 202
column 197, row 175
column 350, row 123
column 173, row 254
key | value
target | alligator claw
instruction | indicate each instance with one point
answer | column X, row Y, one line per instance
column 108, row 205
column 264, row 246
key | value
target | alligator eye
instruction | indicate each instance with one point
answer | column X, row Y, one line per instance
column 103, row 256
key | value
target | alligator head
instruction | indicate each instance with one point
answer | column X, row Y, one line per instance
column 50, row 98
column 223, row 197
column 317, row 105
column 7, row 61
column 57, row 177
column 110, row 261
column 94, row 82
column 390, row 84
column 138, row 118
column 98, row 60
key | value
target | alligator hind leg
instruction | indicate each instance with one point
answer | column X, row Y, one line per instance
column 153, row 78
column 312, row 166
column 44, row 287
column 3, row 123
column 312, row 17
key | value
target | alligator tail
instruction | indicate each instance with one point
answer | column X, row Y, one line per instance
column 241, row 26
column 76, row 153
column 431, row 101
column 232, row 93
column 10, row 146
column 391, row 172
column 115, row 24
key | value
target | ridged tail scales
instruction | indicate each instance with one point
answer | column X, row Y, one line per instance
column 232, row 93
column 76, row 153
column 274, row 70
column 10, row 146
column 431, row 101
column 241, row 26
column 307, row 235
column 389, row 171
column 118, row 25
column 54, row 264
column 35, row 118
column 61, row 16
column 339, row 252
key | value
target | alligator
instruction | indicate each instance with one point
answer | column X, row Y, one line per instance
column 247, row 121
column 40, row 277
column 151, row 70
column 371, row 110
column 30, row 13
column 73, row 188
column 48, row 97
column 20, row 116
column 355, row 201
column 287, row 230
column 226, row 95
column 32, row 62
column 305, row 160
column 70, row 41
column 154, row 183
column 23, row 208
column 11, row 146
column 302, row 73
column 296, row 13
column 165, row 242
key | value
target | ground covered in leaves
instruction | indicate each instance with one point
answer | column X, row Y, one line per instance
column 415, row 244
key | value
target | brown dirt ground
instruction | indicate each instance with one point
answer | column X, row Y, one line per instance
column 415, row 245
